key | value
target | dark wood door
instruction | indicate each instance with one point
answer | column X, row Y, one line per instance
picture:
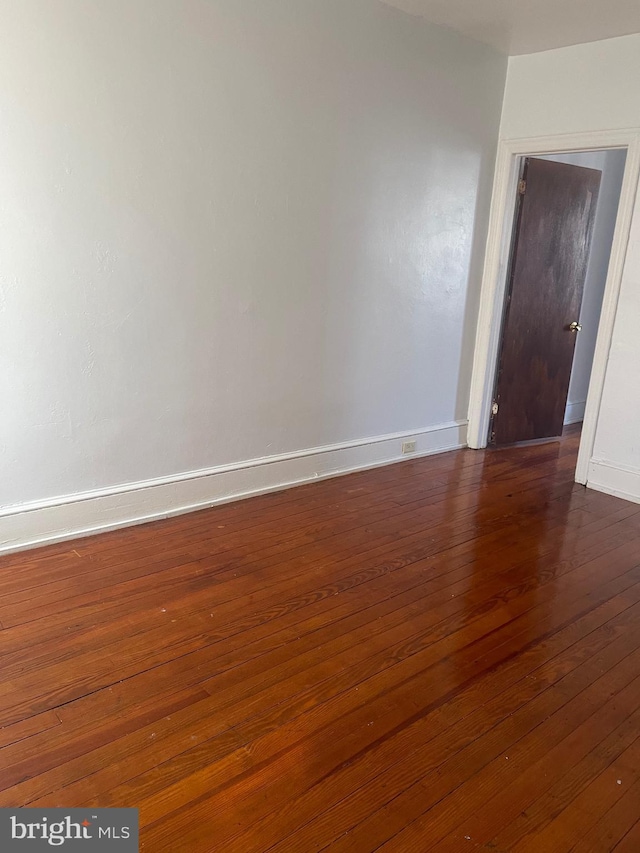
column 552, row 237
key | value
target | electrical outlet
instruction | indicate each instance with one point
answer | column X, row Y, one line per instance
column 408, row 447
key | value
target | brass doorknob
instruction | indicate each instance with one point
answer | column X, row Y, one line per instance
column 575, row 327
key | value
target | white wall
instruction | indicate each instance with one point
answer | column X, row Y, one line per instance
column 230, row 231
column 577, row 89
column 611, row 163
column 580, row 88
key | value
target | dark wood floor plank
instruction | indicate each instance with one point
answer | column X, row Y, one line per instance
column 507, row 752
column 563, row 771
column 241, row 708
column 78, row 604
column 442, row 654
column 630, row 843
column 24, row 605
column 600, row 815
column 61, row 682
column 563, row 780
column 136, row 594
column 313, row 835
column 193, row 528
column 414, row 686
column 252, row 794
column 65, row 710
column 286, row 726
column 28, row 727
column 102, row 662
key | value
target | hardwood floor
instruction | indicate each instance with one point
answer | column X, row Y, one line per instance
column 442, row 655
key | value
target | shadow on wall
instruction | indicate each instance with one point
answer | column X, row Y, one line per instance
column 474, row 283
column 409, row 205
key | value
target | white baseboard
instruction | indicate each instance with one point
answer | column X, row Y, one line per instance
column 614, row 480
column 574, row 413
column 46, row 522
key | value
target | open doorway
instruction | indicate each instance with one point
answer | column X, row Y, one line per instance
column 496, row 267
column 564, row 216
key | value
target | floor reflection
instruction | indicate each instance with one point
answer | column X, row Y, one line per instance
column 523, row 529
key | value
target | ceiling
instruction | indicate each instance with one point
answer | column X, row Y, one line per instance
column 528, row 26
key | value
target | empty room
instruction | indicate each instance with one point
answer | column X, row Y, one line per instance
column 320, row 435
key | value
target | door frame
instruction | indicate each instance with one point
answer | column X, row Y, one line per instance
column 494, row 277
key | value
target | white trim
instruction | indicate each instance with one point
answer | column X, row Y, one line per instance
column 495, row 271
column 617, row 480
column 574, row 413
column 69, row 516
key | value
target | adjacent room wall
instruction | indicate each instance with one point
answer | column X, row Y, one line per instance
column 240, row 248
column 611, row 163
column 583, row 88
